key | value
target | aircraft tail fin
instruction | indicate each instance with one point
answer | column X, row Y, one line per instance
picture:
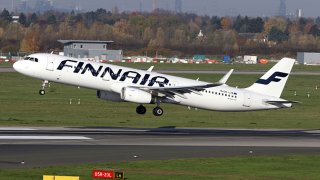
column 273, row 82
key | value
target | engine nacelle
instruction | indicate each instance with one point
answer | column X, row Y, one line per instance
column 136, row 95
column 110, row 96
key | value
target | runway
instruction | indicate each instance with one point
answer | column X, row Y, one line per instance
column 42, row 146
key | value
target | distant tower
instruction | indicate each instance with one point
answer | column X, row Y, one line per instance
column 299, row 13
column 154, row 5
column 282, row 8
column 140, row 6
column 178, row 6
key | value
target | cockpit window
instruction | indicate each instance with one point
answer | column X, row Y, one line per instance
column 31, row 59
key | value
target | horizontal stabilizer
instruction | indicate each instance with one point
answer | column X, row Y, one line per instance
column 281, row 102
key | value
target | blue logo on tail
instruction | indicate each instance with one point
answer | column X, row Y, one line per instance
column 273, row 77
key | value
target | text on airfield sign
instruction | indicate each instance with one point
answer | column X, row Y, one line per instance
column 102, row 174
column 107, row 174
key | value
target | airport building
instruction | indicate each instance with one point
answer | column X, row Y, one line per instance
column 90, row 49
column 308, row 58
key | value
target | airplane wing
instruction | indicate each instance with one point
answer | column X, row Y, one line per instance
column 176, row 90
column 181, row 90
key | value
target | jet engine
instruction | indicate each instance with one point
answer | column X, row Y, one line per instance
column 136, row 95
column 109, row 96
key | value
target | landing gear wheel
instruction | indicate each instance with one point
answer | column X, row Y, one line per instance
column 157, row 111
column 42, row 92
column 141, row 109
column 43, row 86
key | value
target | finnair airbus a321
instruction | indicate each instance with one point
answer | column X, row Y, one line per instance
column 116, row 83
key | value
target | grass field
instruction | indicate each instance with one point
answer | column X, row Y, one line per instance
column 6, row 64
column 293, row 167
column 21, row 105
column 226, row 67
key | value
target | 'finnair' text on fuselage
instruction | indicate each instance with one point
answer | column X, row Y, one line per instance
column 82, row 68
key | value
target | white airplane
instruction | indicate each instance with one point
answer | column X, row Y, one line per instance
column 119, row 84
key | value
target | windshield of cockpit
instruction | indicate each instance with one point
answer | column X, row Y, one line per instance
column 31, row 59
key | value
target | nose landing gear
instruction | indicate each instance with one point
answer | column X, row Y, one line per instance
column 42, row 92
column 43, row 86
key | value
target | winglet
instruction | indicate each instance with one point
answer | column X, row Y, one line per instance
column 150, row 68
column 225, row 78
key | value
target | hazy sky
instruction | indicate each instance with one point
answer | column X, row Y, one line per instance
column 310, row 8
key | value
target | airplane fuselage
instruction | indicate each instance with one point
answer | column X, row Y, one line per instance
column 112, row 78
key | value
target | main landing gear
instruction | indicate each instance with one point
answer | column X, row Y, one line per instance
column 43, row 86
column 141, row 109
column 157, row 111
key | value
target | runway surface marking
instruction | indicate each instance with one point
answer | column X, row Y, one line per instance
column 70, row 145
column 16, row 129
column 46, row 137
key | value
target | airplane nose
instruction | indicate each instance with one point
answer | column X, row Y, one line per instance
column 16, row 66
column 20, row 67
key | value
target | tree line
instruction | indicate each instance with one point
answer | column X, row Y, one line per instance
column 161, row 31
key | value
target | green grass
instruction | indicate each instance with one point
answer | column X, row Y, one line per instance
column 240, row 67
column 6, row 64
column 293, row 167
column 166, row 66
column 20, row 105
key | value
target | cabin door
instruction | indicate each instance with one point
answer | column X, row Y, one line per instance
column 247, row 100
column 50, row 64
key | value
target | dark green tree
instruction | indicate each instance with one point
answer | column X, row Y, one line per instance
column 33, row 18
column 22, row 19
column 52, row 19
column 216, row 22
column 314, row 31
column 5, row 15
column 238, row 23
column 256, row 25
column 276, row 34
